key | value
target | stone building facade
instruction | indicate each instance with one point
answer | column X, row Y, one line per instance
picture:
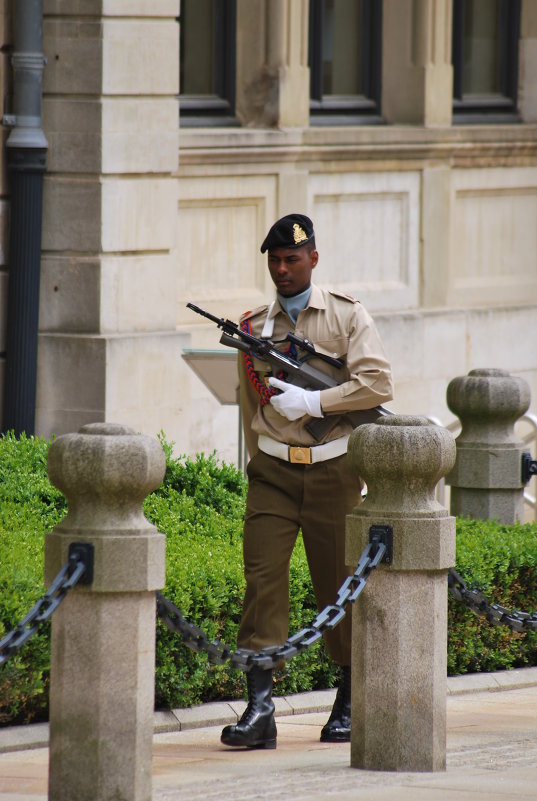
column 429, row 219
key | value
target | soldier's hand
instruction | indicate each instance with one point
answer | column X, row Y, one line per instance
column 295, row 402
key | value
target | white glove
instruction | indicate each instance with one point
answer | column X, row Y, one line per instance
column 295, row 402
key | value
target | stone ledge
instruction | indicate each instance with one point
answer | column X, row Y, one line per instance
column 201, row 138
column 492, row 682
column 479, row 146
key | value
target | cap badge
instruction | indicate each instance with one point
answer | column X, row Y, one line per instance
column 299, row 235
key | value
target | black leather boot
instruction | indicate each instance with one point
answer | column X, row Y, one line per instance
column 256, row 728
column 338, row 727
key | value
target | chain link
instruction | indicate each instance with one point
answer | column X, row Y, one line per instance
column 268, row 658
column 70, row 574
column 79, row 569
column 496, row 615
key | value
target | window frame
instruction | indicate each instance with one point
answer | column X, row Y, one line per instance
column 217, row 109
column 486, row 108
column 362, row 109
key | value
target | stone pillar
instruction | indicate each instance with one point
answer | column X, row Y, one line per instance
column 436, row 209
column 527, row 59
column 417, row 76
column 486, row 481
column 103, row 635
column 272, row 49
column 108, row 306
column 399, row 622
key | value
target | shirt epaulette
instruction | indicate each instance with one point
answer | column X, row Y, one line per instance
column 252, row 313
column 343, row 296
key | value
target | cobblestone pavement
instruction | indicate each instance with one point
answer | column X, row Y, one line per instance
column 491, row 756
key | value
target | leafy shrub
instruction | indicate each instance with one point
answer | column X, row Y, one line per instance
column 29, row 506
column 501, row 561
column 200, row 506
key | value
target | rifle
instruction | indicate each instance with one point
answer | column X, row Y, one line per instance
column 297, row 371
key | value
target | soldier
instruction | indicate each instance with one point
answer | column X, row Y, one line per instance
column 294, row 481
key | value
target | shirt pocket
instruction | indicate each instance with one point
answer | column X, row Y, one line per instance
column 336, row 347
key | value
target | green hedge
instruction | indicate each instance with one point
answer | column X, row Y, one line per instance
column 501, row 561
column 29, row 506
column 200, row 506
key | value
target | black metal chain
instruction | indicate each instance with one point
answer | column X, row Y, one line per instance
column 267, row 658
column 78, row 570
column 495, row 614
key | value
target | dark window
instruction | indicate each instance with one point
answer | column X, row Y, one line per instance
column 345, row 61
column 485, row 60
column 207, row 62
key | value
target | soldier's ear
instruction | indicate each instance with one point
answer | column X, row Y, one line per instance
column 314, row 257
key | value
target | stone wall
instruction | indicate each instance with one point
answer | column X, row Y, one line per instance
column 431, row 225
column 421, row 225
column 108, row 343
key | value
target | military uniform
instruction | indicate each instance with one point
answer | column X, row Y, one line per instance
column 309, row 486
column 298, row 476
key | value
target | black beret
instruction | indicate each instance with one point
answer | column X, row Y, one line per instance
column 291, row 231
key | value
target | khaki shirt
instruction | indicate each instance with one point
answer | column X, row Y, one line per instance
column 336, row 325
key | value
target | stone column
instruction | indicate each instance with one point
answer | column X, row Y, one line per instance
column 272, row 49
column 417, row 76
column 103, row 635
column 108, row 307
column 436, row 209
column 399, row 623
column 486, row 481
column 527, row 58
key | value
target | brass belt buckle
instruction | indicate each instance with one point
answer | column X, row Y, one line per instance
column 298, row 455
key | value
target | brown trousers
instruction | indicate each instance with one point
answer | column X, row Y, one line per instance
column 283, row 498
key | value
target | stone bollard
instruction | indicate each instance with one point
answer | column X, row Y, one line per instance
column 399, row 622
column 103, row 635
column 486, row 481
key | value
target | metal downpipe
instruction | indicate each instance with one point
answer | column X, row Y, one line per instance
column 26, row 149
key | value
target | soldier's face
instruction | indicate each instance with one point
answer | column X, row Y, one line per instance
column 290, row 269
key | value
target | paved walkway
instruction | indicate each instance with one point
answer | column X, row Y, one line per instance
column 491, row 753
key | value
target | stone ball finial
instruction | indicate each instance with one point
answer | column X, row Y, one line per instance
column 488, row 402
column 401, row 458
column 105, row 471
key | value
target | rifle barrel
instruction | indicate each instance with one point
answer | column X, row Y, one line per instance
column 208, row 315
